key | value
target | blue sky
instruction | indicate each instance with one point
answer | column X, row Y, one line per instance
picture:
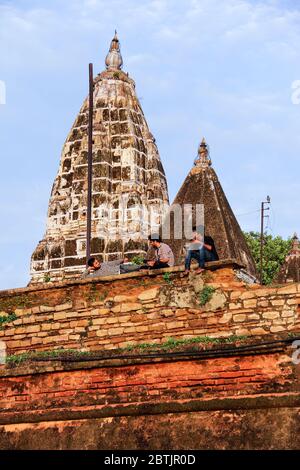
column 222, row 69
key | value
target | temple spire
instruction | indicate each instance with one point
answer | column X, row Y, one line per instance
column 202, row 193
column 203, row 160
column 114, row 59
column 290, row 270
column 295, row 249
column 126, row 144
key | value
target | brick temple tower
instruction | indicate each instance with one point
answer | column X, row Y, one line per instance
column 290, row 270
column 127, row 176
column 202, row 187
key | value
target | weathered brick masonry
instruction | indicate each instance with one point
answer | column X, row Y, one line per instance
column 231, row 396
column 129, row 190
column 118, row 311
column 236, row 401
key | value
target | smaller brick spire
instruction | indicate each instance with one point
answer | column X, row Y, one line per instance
column 290, row 270
column 295, row 249
column 202, row 189
column 114, row 59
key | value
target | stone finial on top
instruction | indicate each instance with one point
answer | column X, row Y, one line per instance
column 203, row 160
column 114, row 59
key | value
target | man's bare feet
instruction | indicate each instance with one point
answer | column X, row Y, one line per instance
column 200, row 270
column 186, row 273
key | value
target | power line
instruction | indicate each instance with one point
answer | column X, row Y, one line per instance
column 247, row 213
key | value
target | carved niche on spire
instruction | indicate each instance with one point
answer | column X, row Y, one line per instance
column 114, row 59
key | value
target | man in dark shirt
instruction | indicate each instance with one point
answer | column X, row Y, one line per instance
column 209, row 246
column 206, row 251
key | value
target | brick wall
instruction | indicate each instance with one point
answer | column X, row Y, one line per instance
column 153, row 403
column 118, row 311
column 230, row 396
column 99, row 384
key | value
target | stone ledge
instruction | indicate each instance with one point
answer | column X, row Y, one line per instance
column 46, row 365
column 287, row 400
column 211, row 266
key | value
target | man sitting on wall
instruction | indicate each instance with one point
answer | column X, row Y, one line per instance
column 201, row 249
column 163, row 254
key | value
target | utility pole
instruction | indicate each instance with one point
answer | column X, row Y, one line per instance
column 263, row 216
column 90, row 165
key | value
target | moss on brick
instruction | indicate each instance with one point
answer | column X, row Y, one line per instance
column 4, row 319
column 191, row 344
column 10, row 304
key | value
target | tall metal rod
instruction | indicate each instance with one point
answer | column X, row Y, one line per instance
column 262, row 238
column 90, row 165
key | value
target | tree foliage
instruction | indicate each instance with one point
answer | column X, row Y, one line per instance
column 274, row 253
